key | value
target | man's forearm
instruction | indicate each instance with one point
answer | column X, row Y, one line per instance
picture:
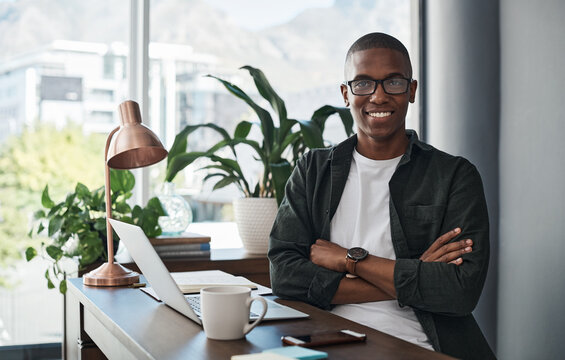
column 357, row 291
column 378, row 272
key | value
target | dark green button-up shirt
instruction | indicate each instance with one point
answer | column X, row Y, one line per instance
column 431, row 192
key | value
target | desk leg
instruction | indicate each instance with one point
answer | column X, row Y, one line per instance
column 76, row 343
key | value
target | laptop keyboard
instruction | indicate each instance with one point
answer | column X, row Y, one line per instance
column 194, row 302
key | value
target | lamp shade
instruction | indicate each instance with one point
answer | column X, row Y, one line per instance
column 134, row 145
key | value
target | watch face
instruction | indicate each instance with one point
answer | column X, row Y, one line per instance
column 357, row 253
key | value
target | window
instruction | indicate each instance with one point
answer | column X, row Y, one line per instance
column 54, row 85
column 64, row 64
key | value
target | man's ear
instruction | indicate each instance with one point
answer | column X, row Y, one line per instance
column 413, row 87
column 344, row 93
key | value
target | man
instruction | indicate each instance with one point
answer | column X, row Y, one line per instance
column 384, row 229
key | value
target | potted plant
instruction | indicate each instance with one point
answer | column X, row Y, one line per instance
column 76, row 227
column 281, row 146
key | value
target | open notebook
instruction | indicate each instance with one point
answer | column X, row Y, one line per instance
column 192, row 282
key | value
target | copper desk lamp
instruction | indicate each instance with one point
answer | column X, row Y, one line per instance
column 131, row 145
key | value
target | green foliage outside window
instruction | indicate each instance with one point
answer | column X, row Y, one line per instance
column 38, row 156
column 76, row 226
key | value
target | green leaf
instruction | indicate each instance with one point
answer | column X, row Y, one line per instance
column 55, row 209
column 155, row 205
column 289, row 140
column 225, row 182
column 311, row 133
column 122, row 207
column 39, row 214
column 209, row 176
column 69, row 199
column 90, row 249
column 267, row 125
column 281, row 172
column 230, row 142
column 179, row 162
column 136, row 214
column 45, row 199
column 242, row 129
column 96, row 202
column 54, row 225
column 177, row 158
column 256, row 191
column 269, row 94
column 321, row 115
column 121, row 181
column 150, row 223
column 230, row 163
column 180, row 144
column 63, row 287
column 49, row 282
column 82, row 191
column 100, row 224
column 54, row 252
column 30, row 253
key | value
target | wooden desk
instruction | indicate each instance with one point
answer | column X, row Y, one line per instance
column 125, row 323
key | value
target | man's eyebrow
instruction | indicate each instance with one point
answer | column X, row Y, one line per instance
column 388, row 76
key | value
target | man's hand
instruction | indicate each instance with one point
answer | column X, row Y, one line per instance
column 442, row 251
column 328, row 254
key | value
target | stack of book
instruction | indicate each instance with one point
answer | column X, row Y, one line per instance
column 186, row 245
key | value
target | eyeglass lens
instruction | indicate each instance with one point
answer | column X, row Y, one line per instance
column 367, row 86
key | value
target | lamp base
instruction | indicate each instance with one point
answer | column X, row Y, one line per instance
column 112, row 274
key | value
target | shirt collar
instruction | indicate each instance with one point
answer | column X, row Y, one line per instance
column 344, row 150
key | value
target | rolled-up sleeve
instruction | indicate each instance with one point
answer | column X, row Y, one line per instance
column 444, row 288
column 293, row 275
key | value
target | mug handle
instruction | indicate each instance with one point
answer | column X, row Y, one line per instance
column 248, row 327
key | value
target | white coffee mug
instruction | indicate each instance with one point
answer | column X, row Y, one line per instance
column 225, row 311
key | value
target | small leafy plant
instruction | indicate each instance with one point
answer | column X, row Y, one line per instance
column 281, row 146
column 76, row 227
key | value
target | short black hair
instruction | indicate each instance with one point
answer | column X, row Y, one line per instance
column 378, row 40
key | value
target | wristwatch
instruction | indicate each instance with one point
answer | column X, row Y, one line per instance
column 354, row 255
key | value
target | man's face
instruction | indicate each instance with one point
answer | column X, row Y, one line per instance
column 380, row 117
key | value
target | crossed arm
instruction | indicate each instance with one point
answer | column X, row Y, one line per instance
column 445, row 279
column 375, row 281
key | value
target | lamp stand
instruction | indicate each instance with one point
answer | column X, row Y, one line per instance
column 110, row 273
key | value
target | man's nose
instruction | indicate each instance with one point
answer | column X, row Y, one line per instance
column 379, row 96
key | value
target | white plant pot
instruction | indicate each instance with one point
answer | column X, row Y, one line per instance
column 255, row 218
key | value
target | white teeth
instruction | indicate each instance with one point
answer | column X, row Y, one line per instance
column 380, row 114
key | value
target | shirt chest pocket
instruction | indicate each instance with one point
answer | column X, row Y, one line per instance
column 422, row 224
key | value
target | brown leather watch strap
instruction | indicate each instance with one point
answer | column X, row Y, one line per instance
column 350, row 265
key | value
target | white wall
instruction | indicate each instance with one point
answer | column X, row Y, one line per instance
column 531, row 311
column 496, row 73
column 462, row 65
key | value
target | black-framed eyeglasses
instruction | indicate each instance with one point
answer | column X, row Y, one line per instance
column 392, row 86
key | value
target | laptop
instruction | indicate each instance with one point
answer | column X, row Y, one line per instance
column 158, row 276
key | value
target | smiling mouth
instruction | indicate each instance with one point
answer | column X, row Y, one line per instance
column 380, row 114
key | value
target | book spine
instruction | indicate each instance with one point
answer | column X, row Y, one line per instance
column 181, row 247
column 185, row 254
column 185, row 238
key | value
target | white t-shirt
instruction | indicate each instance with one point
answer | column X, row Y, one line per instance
column 362, row 219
